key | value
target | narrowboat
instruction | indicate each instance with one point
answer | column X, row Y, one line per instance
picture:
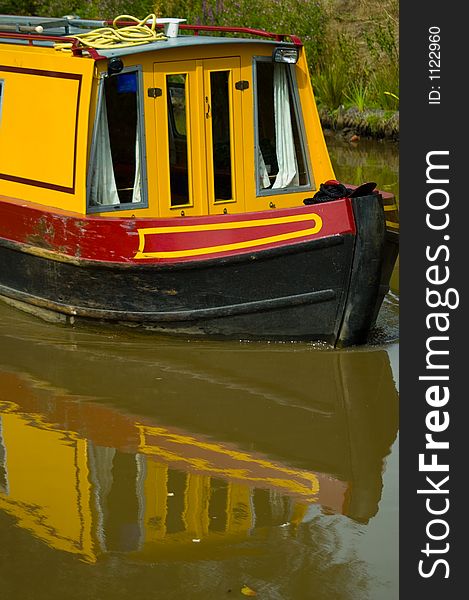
column 180, row 181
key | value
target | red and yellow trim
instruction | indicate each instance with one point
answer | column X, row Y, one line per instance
column 63, row 235
column 265, row 227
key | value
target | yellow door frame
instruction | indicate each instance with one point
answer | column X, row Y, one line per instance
column 201, row 200
column 233, row 66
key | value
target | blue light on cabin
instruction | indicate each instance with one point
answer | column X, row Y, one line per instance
column 126, row 83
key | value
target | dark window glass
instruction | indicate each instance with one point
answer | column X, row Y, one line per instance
column 178, row 148
column 121, row 103
column 220, row 113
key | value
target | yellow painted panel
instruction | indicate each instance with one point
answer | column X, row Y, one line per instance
column 43, row 470
column 156, row 495
column 239, row 514
column 319, row 155
column 196, row 504
column 84, row 500
column 37, row 137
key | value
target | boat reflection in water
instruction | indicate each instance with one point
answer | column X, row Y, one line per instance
column 181, row 449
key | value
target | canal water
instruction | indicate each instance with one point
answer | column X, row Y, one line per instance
column 136, row 466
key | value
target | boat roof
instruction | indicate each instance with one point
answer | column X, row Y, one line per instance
column 60, row 29
column 184, row 41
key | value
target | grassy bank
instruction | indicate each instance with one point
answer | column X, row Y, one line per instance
column 356, row 80
column 353, row 123
column 352, row 45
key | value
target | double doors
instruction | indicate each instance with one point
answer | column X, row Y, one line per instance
column 199, row 136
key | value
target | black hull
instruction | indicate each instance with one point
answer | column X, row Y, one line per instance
column 267, row 295
column 390, row 254
column 324, row 290
column 366, row 280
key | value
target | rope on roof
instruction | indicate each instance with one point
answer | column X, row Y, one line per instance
column 118, row 37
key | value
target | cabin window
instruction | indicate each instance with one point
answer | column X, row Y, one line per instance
column 117, row 170
column 280, row 144
column 177, row 132
column 221, row 132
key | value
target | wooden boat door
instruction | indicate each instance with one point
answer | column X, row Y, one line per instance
column 199, row 136
column 178, row 134
column 223, row 134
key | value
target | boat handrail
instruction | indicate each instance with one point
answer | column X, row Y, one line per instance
column 30, row 29
column 21, row 24
column 279, row 37
column 37, row 37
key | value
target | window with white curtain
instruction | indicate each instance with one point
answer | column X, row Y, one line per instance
column 116, row 174
column 281, row 162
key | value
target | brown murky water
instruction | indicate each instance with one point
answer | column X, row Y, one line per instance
column 137, row 466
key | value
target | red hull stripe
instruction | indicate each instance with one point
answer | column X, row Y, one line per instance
column 149, row 240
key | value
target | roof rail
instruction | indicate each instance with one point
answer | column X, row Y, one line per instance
column 21, row 24
column 30, row 29
column 279, row 37
column 31, row 38
column 33, row 30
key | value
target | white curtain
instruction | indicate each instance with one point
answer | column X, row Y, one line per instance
column 103, row 188
column 137, row 191
column 287, row 175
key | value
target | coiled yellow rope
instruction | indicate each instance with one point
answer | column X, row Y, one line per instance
column 121, row 37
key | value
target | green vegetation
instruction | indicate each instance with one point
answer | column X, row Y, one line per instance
column 375, row 123
column 352, row 45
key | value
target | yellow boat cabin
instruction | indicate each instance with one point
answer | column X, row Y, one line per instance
column 177, row 176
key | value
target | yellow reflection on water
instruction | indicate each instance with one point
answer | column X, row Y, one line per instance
column 74, row 494
column 88, row 478
column 47, row 489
